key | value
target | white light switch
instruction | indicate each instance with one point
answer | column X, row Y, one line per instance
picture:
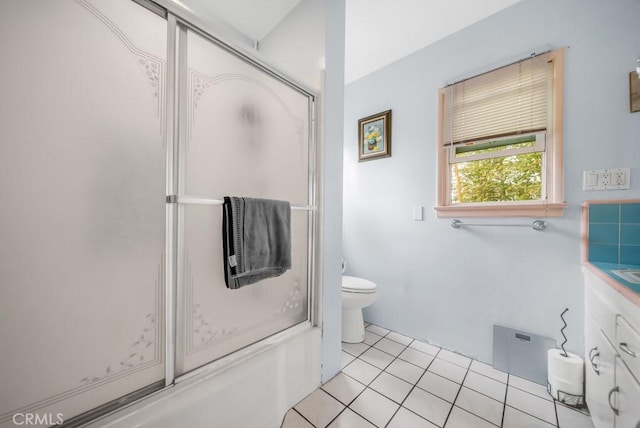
column 417, row 213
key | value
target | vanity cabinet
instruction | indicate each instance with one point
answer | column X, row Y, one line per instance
column 627, row 395
column 612, row 356
column 599, row 373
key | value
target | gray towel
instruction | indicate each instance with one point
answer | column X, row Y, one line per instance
column 256, row 236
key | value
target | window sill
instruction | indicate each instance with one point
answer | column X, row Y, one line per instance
column 502, row 210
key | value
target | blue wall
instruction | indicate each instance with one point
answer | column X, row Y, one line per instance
column 451, row 286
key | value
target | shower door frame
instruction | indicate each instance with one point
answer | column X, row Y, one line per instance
column 179, row 21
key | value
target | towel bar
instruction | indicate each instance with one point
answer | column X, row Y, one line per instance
column 175, row 199
column 538, row 225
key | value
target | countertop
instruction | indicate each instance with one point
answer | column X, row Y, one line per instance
column 604, row 270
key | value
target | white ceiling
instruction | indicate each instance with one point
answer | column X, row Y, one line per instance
column 254, row 18
column 378, row 32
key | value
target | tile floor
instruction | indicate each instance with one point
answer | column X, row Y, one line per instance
column 394, row 381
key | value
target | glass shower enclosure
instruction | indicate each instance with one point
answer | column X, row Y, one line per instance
column 122, row 128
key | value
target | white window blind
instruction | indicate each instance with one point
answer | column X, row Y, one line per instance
column 511, row 100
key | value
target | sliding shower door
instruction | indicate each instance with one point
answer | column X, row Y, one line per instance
column 247, row 134
column 98, row 125
column 82, row 167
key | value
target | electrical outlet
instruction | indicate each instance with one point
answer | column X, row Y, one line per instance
column 606, row 179
column 620, row 178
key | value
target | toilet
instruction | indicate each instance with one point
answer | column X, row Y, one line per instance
column 357, row 293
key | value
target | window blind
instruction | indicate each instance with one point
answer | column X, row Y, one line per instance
column 510, row 100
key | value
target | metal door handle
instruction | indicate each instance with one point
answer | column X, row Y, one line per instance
column 616, row 389
column 625, row 348
column 592, row 356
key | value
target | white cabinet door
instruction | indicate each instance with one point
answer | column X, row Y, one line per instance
column 600, row 360
column 628, row 397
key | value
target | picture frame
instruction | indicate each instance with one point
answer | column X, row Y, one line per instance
column 374, row 136
column 634, row 91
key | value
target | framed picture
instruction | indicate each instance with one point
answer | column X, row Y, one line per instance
column 374, row 136
column 634, row 91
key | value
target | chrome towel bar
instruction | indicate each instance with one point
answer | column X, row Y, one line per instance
column 175, row 199
column 538, row 225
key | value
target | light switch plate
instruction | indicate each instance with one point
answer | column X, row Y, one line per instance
column 417, row 213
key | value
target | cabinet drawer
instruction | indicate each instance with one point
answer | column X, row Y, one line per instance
column 627, row 398
column 599, row 378
column 628, row 345
column 600, row 309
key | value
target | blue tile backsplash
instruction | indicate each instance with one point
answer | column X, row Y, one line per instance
column 614, row 233
column 604, row 213
column 630, row 213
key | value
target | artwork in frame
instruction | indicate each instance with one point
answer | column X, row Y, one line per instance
column 634, row 91
column 374, row 136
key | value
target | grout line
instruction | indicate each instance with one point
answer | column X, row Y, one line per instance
column 530, row 393
column 504, row 405
column 302, row 416
column 507, row 384
column 414, row 386
column 533, row 416
column 350, row 402
column 471, row 412
column 482, row 393
column 487, row 376
column 336, row 417
column 456, row 398
column 619, row 233
column 442, row 377
column 367, row 386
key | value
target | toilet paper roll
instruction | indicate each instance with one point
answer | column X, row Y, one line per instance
column 565, row 374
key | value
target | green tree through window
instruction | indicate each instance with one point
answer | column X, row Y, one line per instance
column 508, row 178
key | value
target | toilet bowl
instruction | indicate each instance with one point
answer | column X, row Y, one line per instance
column 357, row 293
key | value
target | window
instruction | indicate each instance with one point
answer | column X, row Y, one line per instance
column 500, row 141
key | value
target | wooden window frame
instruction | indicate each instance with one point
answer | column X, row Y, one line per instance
column 553, row 205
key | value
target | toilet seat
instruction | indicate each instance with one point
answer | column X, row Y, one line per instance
column 352, row 284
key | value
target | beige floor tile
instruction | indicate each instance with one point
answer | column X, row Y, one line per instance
column 407, row 419
column 350, row 419
column 319, row 408
column 362, row 371
column 377, row 408
column 480, row 405
column 391, row 387
column 440, row 386
column 432, row 408
column 293, row 420
column 405, row 370
column 487, row 386
column 344, row 388
column 460, row 418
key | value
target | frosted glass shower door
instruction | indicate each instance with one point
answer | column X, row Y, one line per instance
column 247, row 134
column 82, row 167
